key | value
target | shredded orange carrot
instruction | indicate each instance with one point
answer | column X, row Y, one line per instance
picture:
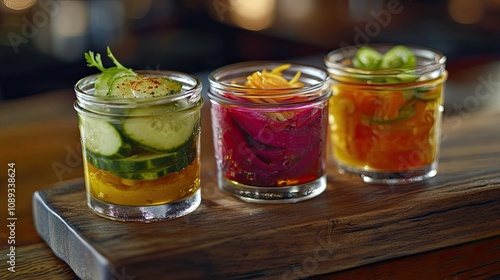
column 273, row 79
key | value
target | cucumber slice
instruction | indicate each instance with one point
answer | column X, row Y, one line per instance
column 391, row 80
column 143, row 87
column 408, row 95
column 154, row 173
column 407, row 77
column 397, row 79
column 427, row 95
column 101, row 85
column 101, row 138
column 404, row 113
column 103, row 82
column 162, row 133
column 398, row 57
column 367, row 58
column 142, row 161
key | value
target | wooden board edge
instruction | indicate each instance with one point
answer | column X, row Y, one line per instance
column 63, row 239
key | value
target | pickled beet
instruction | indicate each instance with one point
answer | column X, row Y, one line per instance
column 256, row 149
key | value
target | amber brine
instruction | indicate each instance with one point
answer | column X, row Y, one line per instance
column 385, row 123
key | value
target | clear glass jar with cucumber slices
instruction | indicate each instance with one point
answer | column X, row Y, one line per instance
column 385, row 111
column 140, row 139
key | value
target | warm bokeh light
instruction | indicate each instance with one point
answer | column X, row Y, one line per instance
column 69, row 29
column 73, row 20
column 252, row 15
column 19, row 4
column 466, row 11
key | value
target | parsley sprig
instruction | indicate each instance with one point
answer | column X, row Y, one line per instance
column 108, row 75
column 94, row 60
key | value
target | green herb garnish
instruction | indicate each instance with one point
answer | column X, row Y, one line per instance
column 119, row 81
column 95, row 61
column 108, row 75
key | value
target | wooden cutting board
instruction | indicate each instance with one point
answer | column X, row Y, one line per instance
column 349, row 225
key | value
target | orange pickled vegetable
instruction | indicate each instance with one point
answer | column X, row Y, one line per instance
column 385, row 131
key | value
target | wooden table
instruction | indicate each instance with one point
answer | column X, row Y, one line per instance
column 39, row 134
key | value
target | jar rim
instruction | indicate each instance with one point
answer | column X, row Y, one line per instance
column 434, row 60
column 192, row 92
column 217, row 78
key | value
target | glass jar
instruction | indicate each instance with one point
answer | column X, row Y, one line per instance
column 386, row 123
column 141, row 155
column 270, row 143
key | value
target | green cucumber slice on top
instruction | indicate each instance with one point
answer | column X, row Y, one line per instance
column 162, row 133
column 104, row 83
column 108, row 75
column 367, row 58
column 398, row 57
column 101, row 138
column 143, row 87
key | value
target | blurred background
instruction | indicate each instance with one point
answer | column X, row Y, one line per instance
column 42, row 42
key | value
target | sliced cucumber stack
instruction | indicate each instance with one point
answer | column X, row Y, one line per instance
column 161, row 143
column 141, row 161
column 154, row 173
column 145, row 165
column 102, row 138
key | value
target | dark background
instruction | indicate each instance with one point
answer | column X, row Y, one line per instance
column 42, row 42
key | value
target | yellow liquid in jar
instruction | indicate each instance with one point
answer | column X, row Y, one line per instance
column 105, row 186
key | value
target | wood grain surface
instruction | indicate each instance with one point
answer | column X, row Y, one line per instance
column 352, row 224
